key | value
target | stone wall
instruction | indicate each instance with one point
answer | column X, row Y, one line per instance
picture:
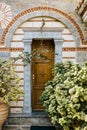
column 58, row 15
column 67, row 6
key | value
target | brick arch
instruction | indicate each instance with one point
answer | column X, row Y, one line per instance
column 42, row 11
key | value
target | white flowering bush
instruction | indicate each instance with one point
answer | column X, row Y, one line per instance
column 65, row 97
column 9, row 82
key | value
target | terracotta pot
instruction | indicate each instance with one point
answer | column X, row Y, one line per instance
column 3, row 113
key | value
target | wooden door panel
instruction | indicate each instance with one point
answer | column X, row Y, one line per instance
column 41, row 71
column 37, row 102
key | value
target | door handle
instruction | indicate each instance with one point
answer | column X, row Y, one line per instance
column 33, row 77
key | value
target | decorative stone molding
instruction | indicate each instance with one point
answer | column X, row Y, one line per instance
column 16, row 49
column 63, row 49
column 11, row 49
column 81, row 7
column 5, row 15
column 43, row 11
column 29, row 35
column 85, row 16
column 82, row 10
column 75, row 49
column 5, row 55
column 58, row 50
column 27, row 79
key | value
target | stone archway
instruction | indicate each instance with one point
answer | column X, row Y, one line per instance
column 43, row 11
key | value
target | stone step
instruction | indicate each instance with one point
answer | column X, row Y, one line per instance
column 43, row 128
column 28, row 121
column 23, row 122
column 22, row 127
column 16, row 127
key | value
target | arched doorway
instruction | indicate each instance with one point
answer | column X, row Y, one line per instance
column 19, row 37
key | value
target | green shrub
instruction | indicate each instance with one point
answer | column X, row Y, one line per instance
column 65, row 97
column 9, row 82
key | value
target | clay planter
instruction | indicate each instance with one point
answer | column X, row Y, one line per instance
column 3, row 113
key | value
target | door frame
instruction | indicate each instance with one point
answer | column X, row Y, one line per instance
column 29, row 35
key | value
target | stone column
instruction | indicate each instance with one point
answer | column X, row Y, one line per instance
column 27, row 79
column 5, row 55
column 58, row 50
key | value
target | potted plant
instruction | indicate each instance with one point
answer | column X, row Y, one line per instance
column 9, row 81
column 65, row 97
column 9, row 88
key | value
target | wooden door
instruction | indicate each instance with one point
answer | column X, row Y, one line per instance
column 41, row 70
